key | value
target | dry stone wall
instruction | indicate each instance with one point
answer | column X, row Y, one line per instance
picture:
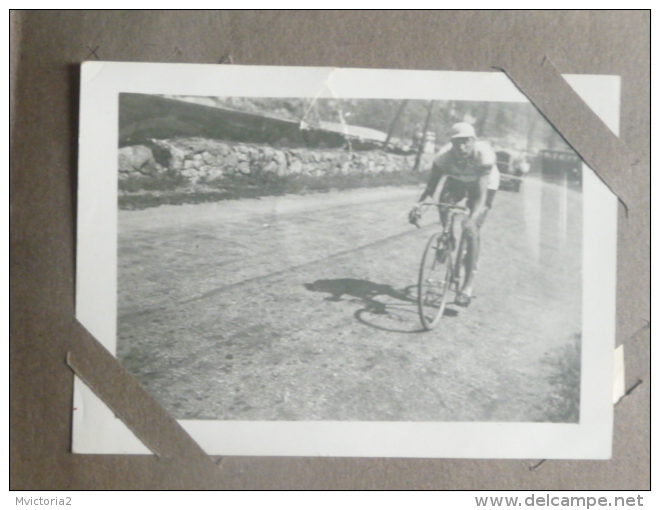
column 200, row 160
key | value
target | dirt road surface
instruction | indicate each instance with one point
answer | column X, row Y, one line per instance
column 303, row 308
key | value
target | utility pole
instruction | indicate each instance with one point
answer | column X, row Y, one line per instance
column 420, row 152
column 395, row 122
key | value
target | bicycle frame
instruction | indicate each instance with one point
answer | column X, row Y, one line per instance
column 452, row 212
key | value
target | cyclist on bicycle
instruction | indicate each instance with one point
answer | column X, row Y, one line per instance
column 469, row 168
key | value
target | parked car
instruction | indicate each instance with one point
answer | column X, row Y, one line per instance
column 512, row 166
column 562, row 166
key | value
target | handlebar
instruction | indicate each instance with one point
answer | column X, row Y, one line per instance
column 447, row 207
column 452, row 208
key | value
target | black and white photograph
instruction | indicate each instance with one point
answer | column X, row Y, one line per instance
column 349, row 253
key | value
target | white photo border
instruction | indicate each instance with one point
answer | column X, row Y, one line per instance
column 97, row 430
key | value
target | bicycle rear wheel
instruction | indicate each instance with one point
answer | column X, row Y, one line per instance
column 435, row 275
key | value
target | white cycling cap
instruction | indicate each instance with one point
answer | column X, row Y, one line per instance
column 462, row 130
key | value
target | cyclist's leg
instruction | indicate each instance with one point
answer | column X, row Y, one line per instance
column 453, row 192
column 489, row 203
column 474, row 240
column 471, row 257
column 474, row 245
column 493, row 186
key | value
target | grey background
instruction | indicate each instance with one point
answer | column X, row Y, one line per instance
column 46, row 49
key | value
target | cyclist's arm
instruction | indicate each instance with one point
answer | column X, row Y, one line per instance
column 437, row 176
column 441, row 162
column 436, row 180
column 480, row 204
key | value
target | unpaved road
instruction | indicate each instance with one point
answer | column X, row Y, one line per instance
column 302, row 308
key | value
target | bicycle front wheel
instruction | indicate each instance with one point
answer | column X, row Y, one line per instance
column 463, row 261
column 435, row 275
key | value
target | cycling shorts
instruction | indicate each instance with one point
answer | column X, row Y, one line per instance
column 454, row 191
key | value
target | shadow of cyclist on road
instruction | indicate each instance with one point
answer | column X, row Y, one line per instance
column 362, row 289
column 397, row 312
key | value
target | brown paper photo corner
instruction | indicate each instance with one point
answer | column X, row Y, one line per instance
column 46, row 45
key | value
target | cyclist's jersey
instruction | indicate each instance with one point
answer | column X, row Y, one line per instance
column 469, row 170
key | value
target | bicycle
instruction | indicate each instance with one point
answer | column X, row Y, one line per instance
column 441, row 272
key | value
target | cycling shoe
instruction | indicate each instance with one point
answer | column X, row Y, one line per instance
column 463, row 300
